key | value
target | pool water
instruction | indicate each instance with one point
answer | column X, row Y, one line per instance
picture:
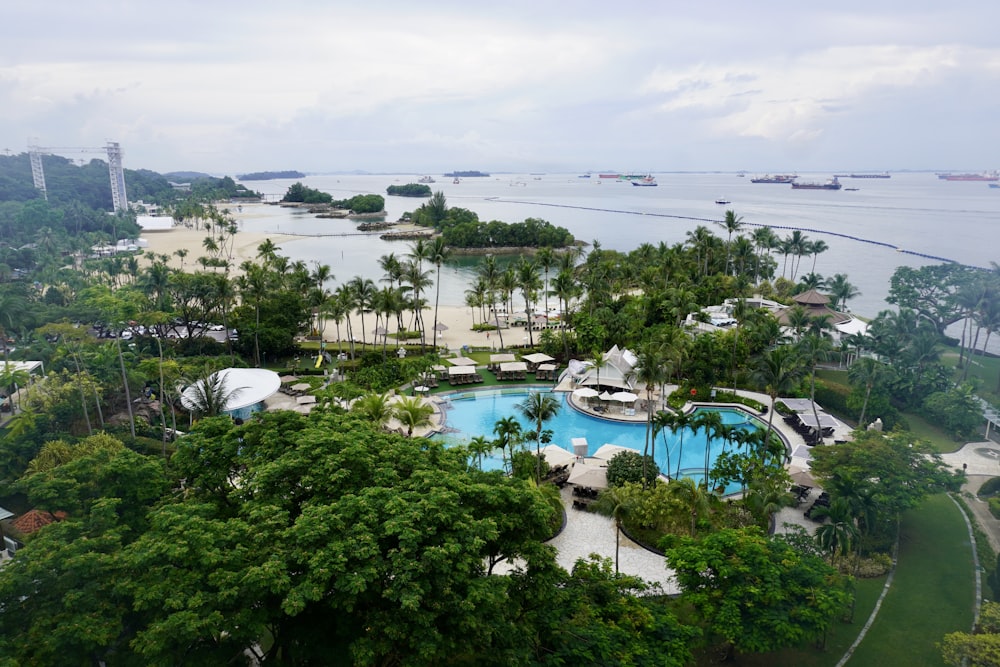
column 476, row 413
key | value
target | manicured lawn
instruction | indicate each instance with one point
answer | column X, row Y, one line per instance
column 932, row 594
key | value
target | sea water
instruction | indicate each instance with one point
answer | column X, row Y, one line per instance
column 907, row 213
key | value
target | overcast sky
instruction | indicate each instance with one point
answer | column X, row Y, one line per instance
column 542, row 85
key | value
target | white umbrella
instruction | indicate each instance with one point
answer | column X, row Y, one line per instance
column 584, row 474
column 624, row 397
column 421, row 388
column 585, row 392
column 557, row 456
column 605, row 396
column 608, row 451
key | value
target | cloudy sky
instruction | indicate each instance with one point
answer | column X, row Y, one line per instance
column 541, row 85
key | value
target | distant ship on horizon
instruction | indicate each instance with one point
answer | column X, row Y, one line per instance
column 777, row 178
column 985, row 176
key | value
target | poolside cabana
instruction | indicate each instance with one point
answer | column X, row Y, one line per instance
column 462, row 374
column 502, row 358
column 513, row 370
column 535, row 359
column 545, row 372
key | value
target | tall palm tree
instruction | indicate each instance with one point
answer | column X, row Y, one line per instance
column 815, row 348
column 413, row 413
column 677, row 422
column 363, row 290
column 438, row 254
column 538, row 408
column 692, row 497
column 419, row 251
column 528, row 282
column 731, row 223
column 841, row 290
column 546, row 259
column 13, row 378
column 508, row 432
column 490, row 273
column 815, row 248
column 209, row 393
column 651, row 371
column 840, row 533
column 480, row 445
column 870, row 373
column 710, row 422
column 777, row 371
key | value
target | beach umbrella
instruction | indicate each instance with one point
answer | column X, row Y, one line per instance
column 605, row 396
column 624, row 396
column 585, row 392
column 440, row 326
column 608, row 451
column 380, row 331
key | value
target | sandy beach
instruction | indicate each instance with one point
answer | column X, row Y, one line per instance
column 177, row 238
column 458, row 319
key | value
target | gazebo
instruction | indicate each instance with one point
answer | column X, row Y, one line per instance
column 617, row 371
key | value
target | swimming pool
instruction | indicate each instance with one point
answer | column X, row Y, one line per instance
column 475, row 413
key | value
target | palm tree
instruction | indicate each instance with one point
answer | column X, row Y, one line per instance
column 527, row 280
column 651, row 371
column 13, row 378
column 363, row 290
column 438, row 254
column 839, row 534
column 546, row 259
column 710, row 421
column 208, row 394
column 814, row 349
column 413, row 413
column 508, row 432
column 419, row 251
column 731, row 223
column 692, row 497
column 870, row 373
column 841, row 290
column 815, row 248
column 677, row 422
column 374, row 407
column 480, row 445
column 777, row 371
column 490, row 274
column 538, row 408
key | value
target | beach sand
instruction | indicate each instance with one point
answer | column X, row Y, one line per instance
column 177, row 238
column 458, row 319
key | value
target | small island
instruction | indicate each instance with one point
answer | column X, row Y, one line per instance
column 409, row 190
column 269, row 175
column 466, row 174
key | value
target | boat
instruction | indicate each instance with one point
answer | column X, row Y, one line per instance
column 985, row 176
column 884, row 174
column 850, row 189
column 645, row 182
column 467, row 174
column 584, row 176
column 609, row 175
column 777, row 178
column 722, row 200
column 832, row 184
column 456, row 181
column 995, row 185
column 426, row 179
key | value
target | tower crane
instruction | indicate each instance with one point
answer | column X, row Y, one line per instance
column 115, row 170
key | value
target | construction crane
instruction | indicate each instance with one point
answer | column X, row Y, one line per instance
column 117, row 173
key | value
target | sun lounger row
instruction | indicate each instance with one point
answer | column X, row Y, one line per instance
column 822, row 501
column 466, row 379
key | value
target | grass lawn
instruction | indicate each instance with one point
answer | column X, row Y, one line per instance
column 933, row 592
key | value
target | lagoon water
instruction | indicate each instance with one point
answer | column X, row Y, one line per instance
column 914, row 212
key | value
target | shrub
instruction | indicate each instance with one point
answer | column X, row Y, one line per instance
column 990, row 488
column 994, row 504
column 875, row 565
column 627, row 467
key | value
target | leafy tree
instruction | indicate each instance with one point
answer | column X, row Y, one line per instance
column 303, row 194
column 753, row 593
column 930, row 291
column 409, row 190
column 629, row 467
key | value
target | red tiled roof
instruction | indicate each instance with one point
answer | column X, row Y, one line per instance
column 33, row 520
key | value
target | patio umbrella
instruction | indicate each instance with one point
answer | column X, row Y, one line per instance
column 605, row 396
column 588, row 474
column 585, row 392
column 380, row 331
column 801, row 477
column 421, row 388
column 440, row 326
column 557, row 456
column 608, row 451
column 624, row 396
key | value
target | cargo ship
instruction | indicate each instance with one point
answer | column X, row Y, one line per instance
column 986, row 176
column 832, row 184
column 467, row 174
column 884, row 174
column 609, row 175
column 777, row 178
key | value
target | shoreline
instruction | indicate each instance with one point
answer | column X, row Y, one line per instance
column 169, row 241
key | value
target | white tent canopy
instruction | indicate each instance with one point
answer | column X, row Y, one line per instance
column 461, row 370
column 537, row 358
column 585, row 392
column 462, row 361
column 624, row 397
